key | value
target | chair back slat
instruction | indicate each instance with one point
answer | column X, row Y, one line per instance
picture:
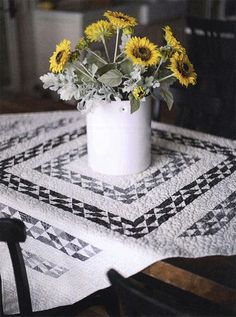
column 210, row 106
column 13, row 231
column 21, row 279
column 134, row 302
column 166, row 300
column 1, row 306
column 212, row 45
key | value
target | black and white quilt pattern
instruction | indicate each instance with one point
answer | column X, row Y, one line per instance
column 184, row 204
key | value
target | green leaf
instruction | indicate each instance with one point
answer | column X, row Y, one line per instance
column 104, row 69
column 85, row 79
column 169, row 81
column 92, row 59
column 112, row 78
column 134, row 105
column 94, row 69
column 149, row 81
column 126, row 67
column 166, row 95
column 82, row 78
column 163, row 72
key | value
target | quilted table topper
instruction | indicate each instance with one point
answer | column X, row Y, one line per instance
column 81, row 223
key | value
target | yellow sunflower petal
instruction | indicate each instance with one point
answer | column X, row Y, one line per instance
column 139, row 93
column 120, row 20
column 142, row 52
column 172, row 41
column 183, row 69
column 82, row 44
column 128, row 31
column 95, row 31
column 60, row 57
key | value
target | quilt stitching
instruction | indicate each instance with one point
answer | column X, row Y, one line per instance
column 144, row 224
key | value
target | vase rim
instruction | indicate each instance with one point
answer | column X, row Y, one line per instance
column 118, row 101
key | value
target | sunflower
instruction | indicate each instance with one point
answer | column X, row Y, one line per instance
column 82, row 44
column 74, row 56
column 60, row 57
column 182, row 69
column 128, row 31
column 172, row 41
column 139, row 93
column 142, row 52
column 120, row 20
column 166, row 52
column 96, row 31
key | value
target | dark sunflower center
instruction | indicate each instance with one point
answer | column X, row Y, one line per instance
column 142, row 52
column 183, row 68
column 122, row 18
column 141, row 94
column 59, row 56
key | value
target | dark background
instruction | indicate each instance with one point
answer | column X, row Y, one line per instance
column 30, row 29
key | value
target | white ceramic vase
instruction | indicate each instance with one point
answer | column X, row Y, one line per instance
column 119, row 143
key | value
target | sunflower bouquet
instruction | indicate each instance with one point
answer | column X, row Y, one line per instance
column 134, row 69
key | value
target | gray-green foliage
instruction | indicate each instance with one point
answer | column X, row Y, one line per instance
column 135, row 104
column 93, row 78
column 166, row 93
column 112, row 78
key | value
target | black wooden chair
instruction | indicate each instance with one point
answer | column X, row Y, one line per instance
column 12, row 232
column 210, row 106
column 165, row 300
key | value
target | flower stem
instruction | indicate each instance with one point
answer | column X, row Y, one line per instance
column 105, row 47
column 119, row 55
column 124, row 59
column 98, row 57
column 158, row 67
column 85, row 74
column 85, row 69
column 117, row 40
column 164, row 78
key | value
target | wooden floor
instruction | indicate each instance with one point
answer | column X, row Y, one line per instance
column 95, row 311
column 212, row 277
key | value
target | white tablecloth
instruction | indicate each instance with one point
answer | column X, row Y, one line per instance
column 80, row 223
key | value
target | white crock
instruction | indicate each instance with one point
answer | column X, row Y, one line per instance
column 119, row 143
